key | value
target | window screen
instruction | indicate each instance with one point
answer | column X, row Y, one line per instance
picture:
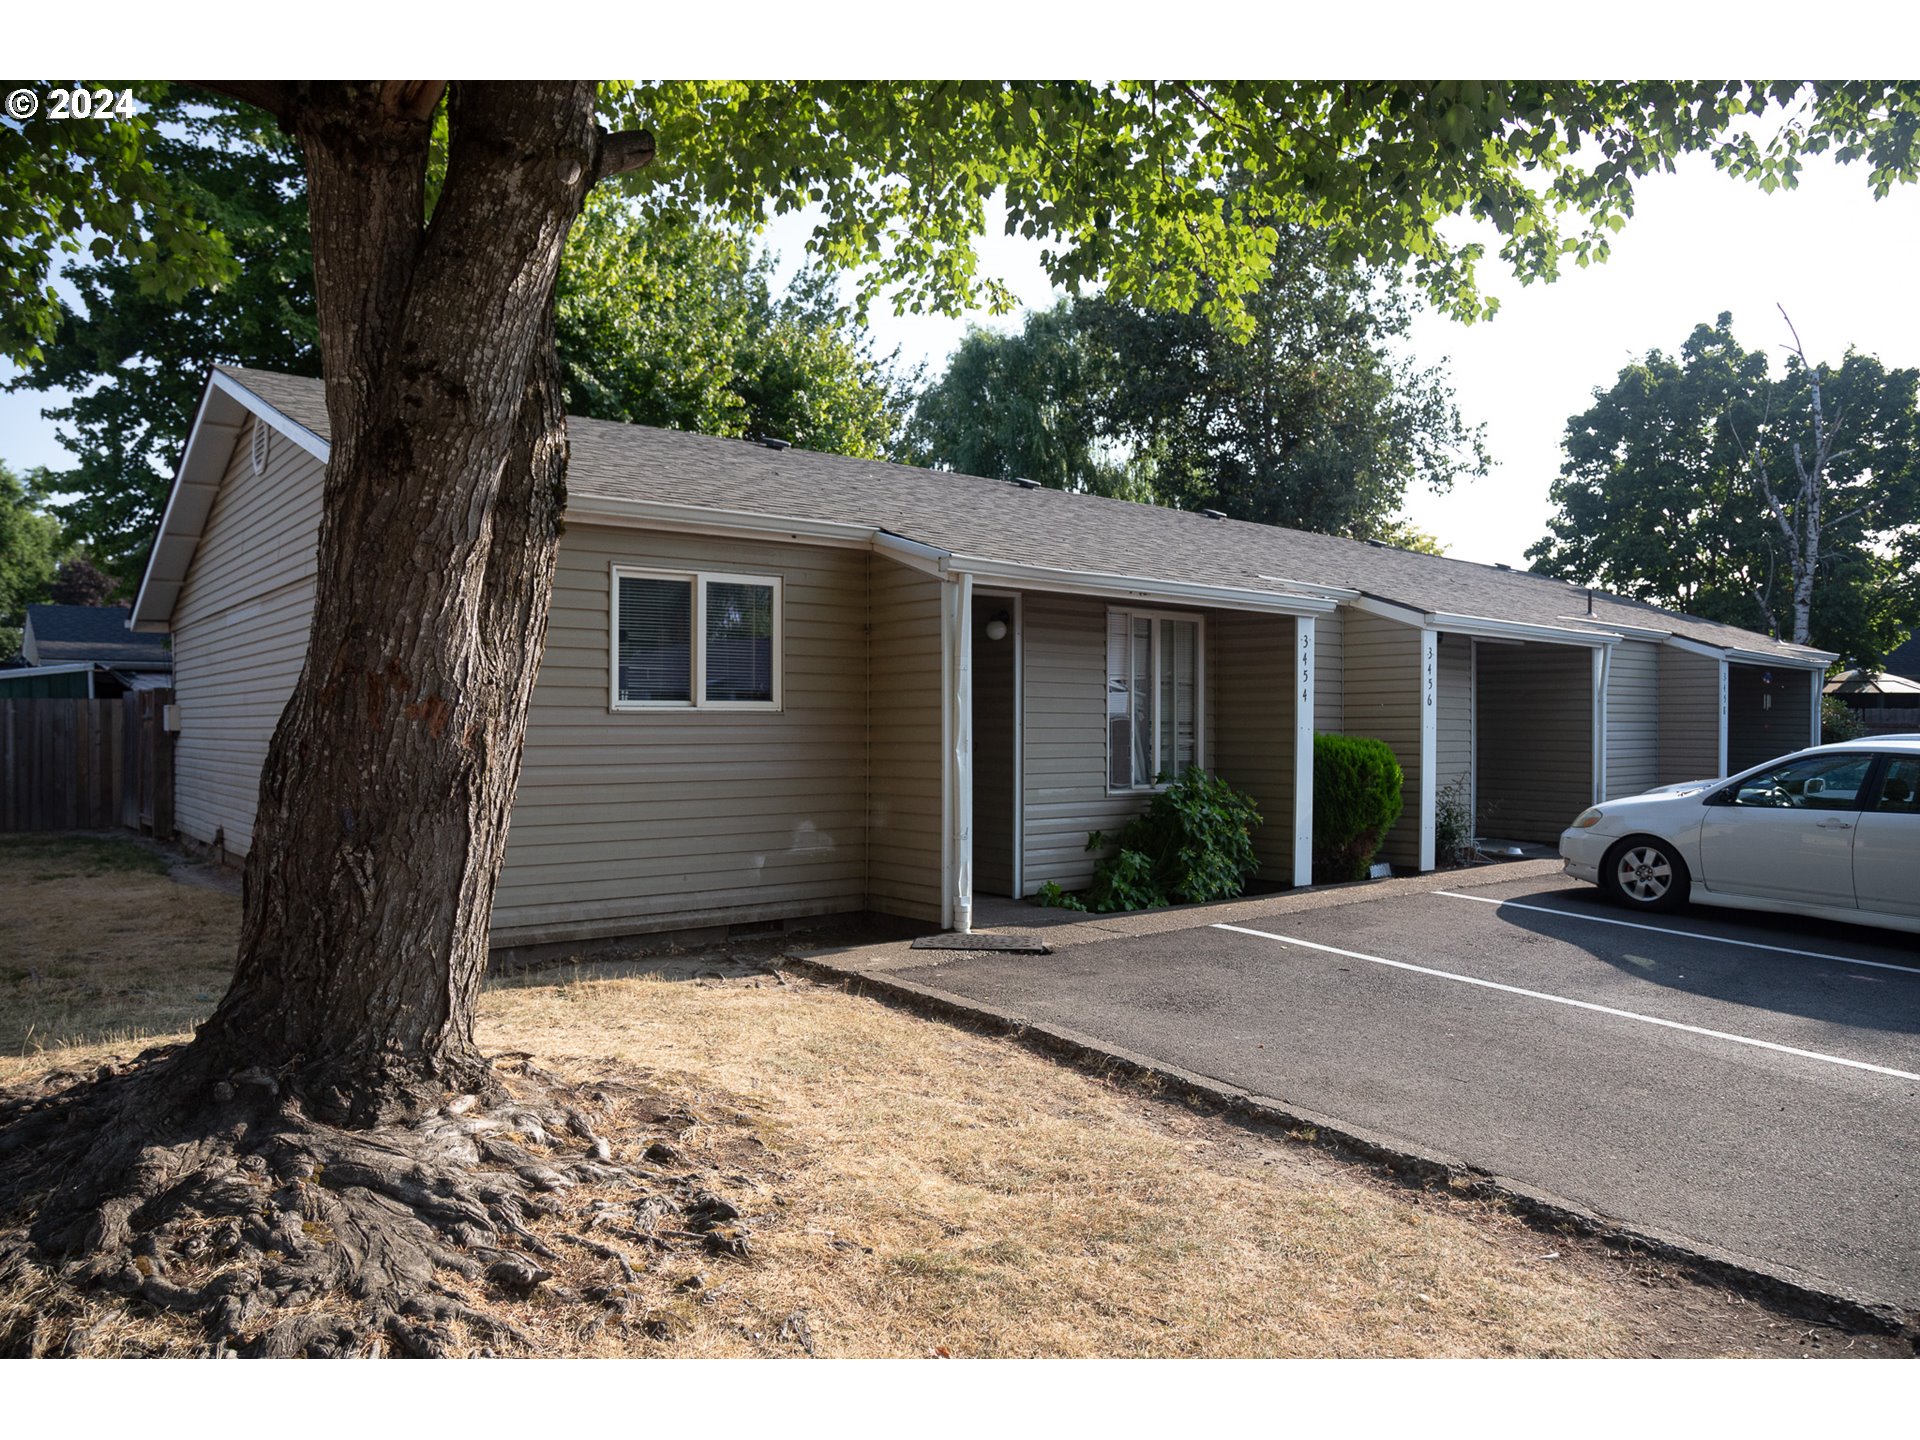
column 1153, row 698
column 739, row 633
column 656, row 640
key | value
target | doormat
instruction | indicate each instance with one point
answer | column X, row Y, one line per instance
column 993, row 944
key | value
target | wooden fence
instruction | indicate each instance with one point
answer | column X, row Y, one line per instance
column 1891, row 719
column 86, row 764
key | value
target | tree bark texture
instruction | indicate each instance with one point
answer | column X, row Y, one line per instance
column 387, row 788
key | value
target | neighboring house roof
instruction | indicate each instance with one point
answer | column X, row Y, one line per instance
column 1858, row 682
column 991, row 526
column 1905, row 660
column 79, row 634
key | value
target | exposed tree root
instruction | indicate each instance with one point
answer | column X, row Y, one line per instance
column 226, row 1204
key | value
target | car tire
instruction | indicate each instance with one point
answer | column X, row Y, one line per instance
column 1643, row 873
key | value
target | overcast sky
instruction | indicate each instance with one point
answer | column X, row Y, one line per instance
column 1843, row 264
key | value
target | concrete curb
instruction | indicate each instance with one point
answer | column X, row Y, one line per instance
column 1402, row 1161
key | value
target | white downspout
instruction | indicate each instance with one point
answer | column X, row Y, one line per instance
column 1819, row 680
column 1303, row 754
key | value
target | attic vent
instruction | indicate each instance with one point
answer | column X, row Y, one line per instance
column 1214, row 514
column 1026, row 484
column 1498, row 566
column 1378, row 544
column 773, row 444
column 257, row 447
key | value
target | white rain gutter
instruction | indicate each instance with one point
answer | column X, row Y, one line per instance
column 1481, row 626
column 1091, row 582
column 1812, row 660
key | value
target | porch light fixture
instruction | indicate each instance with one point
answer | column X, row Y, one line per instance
column 997, row 627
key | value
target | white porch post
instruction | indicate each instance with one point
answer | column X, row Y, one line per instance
column 1303, row 754
column 1818, row 679
column 1602, row 669
column 1429, row 740
column 957, row 727
column 1723, row 717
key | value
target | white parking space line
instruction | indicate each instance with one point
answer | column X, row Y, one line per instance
column 1683, row 934
column 1575, row 1004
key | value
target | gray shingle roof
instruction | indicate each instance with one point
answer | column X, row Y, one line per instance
column 71, row 634
column 991, row 519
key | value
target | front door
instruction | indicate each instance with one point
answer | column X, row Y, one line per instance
column 1886, row 848
column 1788, row 833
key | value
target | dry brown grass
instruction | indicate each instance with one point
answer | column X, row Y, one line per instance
column 97, row 946
column 910, row 1188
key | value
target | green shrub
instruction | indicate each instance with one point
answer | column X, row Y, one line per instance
column 1452, row 825
column 1356, row 799
column 1193, row 843
column 1839, row 721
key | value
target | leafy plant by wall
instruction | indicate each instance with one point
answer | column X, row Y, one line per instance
column 1453, row 825
column 1356, row 799
column 1193, row 843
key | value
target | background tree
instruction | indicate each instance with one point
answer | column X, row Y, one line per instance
column 663, row 319
column 1035, row 404
column 1314, row 420
column 133, row 355
column 1658, row 497
column 669, row 319
column 78, row 581
column 387, row 787
column 29, row 542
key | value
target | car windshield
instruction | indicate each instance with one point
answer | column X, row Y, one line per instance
column 1818, row 782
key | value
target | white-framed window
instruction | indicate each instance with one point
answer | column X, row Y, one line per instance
column 1156, row 682
column 695, row 640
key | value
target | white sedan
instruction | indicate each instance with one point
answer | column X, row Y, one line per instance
column 1832, row 832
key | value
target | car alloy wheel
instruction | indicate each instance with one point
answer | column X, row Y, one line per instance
column 1644, row 875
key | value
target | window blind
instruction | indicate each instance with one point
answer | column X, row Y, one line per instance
column 656, row 640
column 739, row 635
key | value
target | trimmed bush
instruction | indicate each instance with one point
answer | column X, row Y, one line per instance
column 1193, row 843
column 1356, row 799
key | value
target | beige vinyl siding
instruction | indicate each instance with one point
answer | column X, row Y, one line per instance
column 1250, row 668
column 904, row 810
column 1766, row 717
column 1453, row 721
column 1689, row 716
column 240, row 635
column 1383, row 700
column 1330, row 672
column 1633, row 719
column 1065, row 740
column 1535, row 762
column 634, row 820
column 993, row 749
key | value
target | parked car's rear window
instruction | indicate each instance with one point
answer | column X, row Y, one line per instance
column 1900, row 791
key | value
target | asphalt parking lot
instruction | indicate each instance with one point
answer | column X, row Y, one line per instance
column 1743, row 1085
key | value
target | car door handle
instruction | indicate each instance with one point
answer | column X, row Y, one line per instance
column 1836, row 824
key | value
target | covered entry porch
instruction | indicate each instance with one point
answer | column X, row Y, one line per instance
column 1068, row 700
column 1500, row 720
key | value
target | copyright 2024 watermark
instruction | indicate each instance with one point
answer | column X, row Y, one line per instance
column 76, row 103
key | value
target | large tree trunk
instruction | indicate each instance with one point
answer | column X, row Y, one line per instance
column 387, row 788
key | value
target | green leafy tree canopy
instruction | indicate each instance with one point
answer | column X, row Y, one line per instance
column 1656, row 497
column 30, row 543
